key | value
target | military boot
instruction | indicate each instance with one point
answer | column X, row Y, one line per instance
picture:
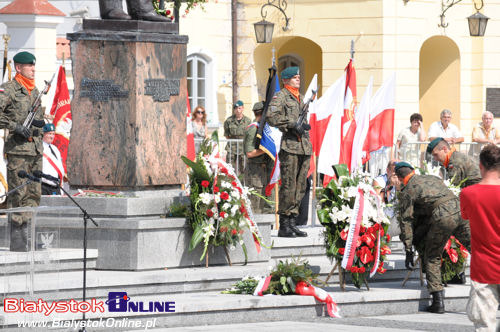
column 437, row 305
column 112, row 10
column 285, row 230
column 143, row 10
column 294, row 227
column 18, row 237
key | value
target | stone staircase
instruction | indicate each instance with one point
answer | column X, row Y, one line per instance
column 196, row 291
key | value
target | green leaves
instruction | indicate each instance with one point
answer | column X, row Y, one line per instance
column 287, row 274
column 196, row 238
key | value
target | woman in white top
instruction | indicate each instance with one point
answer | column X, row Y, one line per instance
column 414, row 133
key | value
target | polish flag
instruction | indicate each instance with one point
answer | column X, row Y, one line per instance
column 61, row 110
column 381, row 130
column 331, row 106
column 348, row 121
column 190, row 152
column 362, row 117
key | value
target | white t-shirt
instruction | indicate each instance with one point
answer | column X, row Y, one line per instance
column 436, row 130
column 409, row 153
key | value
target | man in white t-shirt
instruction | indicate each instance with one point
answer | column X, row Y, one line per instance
column 445, row 129
column 52, row 162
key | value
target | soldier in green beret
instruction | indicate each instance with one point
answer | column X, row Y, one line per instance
column 429, row 213
column 234, row 128
column 23, row 145
column 259, row 165
column 459, row 167
column 295, row 152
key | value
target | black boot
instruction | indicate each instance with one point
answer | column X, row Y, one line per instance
column 112, row 9
column 143, row 10
column 18, row 237
column 294, row 227
column 285, row 230
column 437, row 306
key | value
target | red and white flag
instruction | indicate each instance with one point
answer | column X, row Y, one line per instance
column 61, row 110
column 381, row 130
column 330, row 106
column 348, row 120
column 190, row 151
column 362, row 117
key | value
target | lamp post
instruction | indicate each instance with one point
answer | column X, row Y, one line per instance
column 263, row 28
column 477, row 21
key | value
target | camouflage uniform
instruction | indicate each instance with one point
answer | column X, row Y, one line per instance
column 429, row 215
column 258, row 171
column 15, row 103
column 295, row 152
column 235, row 129
column 462, row 167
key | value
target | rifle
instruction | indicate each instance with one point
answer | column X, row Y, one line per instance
column 36, row 105
column 305, row 109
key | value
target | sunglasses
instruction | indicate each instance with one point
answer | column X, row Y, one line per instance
column 199, row 112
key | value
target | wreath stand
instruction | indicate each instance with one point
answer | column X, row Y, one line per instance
column 421, row 275
column 342, row 276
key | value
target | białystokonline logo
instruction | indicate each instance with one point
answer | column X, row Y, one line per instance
column 121, row 302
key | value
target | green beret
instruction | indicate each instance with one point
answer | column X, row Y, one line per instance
column 258, row 106
column 238, row 104
column 403, row 164
column 49, row 127
column 24, row 58
column 433, row 144
column 289, row 73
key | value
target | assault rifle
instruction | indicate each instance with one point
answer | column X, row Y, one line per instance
column 36, row 105
column 303, row 114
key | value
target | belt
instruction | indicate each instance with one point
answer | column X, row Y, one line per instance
column 444, row 199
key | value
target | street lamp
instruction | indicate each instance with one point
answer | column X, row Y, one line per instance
column 264, row 29
column 477, row 21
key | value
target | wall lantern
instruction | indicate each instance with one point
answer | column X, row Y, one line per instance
column 477, row 21
column 264, row 29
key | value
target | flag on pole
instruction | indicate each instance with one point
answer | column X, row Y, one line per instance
column 61, row 111
column 330, row 105
column 381, row 130
column 348, row 121
column 190, row 150
column 362, row 117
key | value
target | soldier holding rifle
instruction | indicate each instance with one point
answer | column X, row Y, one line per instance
column 296, row 149
column 23, row 145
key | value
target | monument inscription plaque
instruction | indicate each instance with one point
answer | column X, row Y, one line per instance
column 101, row 90
column 161, row 89
column 493, row 101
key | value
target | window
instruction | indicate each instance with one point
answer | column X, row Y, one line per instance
column 197, row 81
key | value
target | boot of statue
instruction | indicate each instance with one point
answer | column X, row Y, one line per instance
column 143, row 10
column 112, row 10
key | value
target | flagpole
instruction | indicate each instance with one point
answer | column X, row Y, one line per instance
column 313, row 199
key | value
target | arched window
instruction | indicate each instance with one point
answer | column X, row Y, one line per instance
column 197, row 80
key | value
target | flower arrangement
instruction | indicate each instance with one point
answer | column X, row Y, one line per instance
column 335, row 211
column 176, row 4
column 220, row 206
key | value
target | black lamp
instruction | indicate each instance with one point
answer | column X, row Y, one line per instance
column 264, row 31
column 477, row 24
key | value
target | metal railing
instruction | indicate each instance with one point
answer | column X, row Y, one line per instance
column 235, row 145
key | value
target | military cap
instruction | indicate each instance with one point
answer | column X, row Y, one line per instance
column 258, row 106
column 289, row 73
column 403, row 164
column 24, row 58
column 238, row 104
column 49, row 127
column 433, row 144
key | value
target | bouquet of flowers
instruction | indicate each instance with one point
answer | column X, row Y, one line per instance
column 368, row 240
column 454, row 254
column 176, row 4
column 220, row 207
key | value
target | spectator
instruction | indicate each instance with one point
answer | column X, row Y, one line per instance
column 234, row 128
column 445, row 129
column 485, row 132
column 200, row 123
column 480, row 204
column 52, row 162
column 386, row 185
column 414, row 133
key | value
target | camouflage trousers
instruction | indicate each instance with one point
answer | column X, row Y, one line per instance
column 483, row 305
column 293, row 171
column 28, row 195
column 435, row 240
column 257, row 176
